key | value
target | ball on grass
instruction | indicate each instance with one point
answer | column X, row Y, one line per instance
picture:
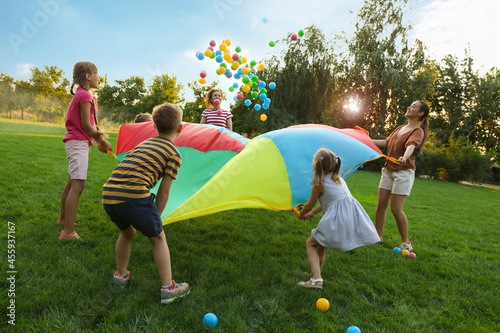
column 405, row 252
column 322, row 304
column 397, row 250
column 412, row 255
column 210, row 320
column 353, row 329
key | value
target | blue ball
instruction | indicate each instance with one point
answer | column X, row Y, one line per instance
column 267, row 101
column 237, row 76
column 257, row 107
column 235, row 85
column 228, row 72
column 248, row 102
column 262, row 84
column 218, row 53
column 210, row 320
column 397, row 250
column 353, row 329
column 219, row 59
column 272, row 85
column 265, row 106
column 200, row 55
column 265, row 20
column 263, row 96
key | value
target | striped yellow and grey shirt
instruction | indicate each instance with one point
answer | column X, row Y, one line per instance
column 141, row 169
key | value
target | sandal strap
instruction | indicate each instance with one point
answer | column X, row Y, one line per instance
column 313, row 281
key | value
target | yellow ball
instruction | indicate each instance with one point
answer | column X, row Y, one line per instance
column 322, row 304
column 208, row 53
column 221, row 70
column 243, row 60
column 405, row 252
column 227, row 42
column 227, row 57
column 223, row 47
column 245, row 88
column 202, row 81
column 245, row 71
column 262, row 67
column 263, row 117
column 235, row 65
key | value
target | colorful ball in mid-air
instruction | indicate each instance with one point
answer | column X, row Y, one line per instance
column 295, row 36
column 208, row 53
column 271, row 44
column 248, row 102
column 397, row 250
column 237, row 49
column 202, row 81
column 263, row 117
column 253, row 63
column 221, row 70
column 200, row 56
column 257, row 107
column 301, row 33
column 245, row 88
column 213, row 43
column 203, row 74
column 322, row 304
column 210, row 320
column 405, row 252
column 412, row 255
column 262, row 67
column 239, row 96
column 227, row 42
column 223, row 47
column 272, row 85
column 265, row 20
column 353, row 329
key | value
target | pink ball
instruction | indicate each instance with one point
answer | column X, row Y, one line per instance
column 210, row 48
column 295, row 37
column 203, row 74
column 412, row 255
column 219, row 113
column 239, row 96
column 213, row 43
column 236, row 57
column 216, row 102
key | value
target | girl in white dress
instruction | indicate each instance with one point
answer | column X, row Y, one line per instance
column 344, row 224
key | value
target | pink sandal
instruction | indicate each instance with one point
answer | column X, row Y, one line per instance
column 72, row 235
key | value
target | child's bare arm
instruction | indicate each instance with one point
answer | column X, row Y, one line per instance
column 380, row 143
column 316, row 191
column 91, row 131
column 163, row 193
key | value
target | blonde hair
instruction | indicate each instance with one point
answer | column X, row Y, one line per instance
column 325, row 162
column 80, row 70
column 208, row 97
column 167, row 118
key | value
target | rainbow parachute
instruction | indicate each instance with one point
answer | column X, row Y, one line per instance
column 222, row 170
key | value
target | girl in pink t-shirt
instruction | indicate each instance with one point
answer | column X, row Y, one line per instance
column 214, row 115
column 81, row 125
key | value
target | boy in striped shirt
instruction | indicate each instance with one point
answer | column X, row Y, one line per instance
column 131, row 206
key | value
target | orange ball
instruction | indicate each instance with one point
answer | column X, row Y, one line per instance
column 245, row 71
column 263, row 117
column 202, row 81
column 262, row 67
column 322, row 304
column 235, row 65
column 221, row 70
column 223, row 47
column 243, row 60
column 208, row 53
column 227, row 42
column 245, row 88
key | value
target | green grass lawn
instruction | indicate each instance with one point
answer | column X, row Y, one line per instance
column 243, row 265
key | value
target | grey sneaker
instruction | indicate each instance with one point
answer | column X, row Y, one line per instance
column 406, row 246
column 180, row 290
column 121, row 281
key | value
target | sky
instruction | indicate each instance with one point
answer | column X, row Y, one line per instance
column 147, row 38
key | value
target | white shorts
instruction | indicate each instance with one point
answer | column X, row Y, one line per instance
column 398, row 182
column 77, row 152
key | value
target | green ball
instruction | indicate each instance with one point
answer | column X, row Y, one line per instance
column 271, row 44
column 240, row 61
column 255, row 94
column 237, row 49
column 253, row 63
column 245, row 79
column 231, row 89
column 301, row 33
column 254, row 85
column 255, row 78
column 223, row 65
column 263, row 91
column 212, row 56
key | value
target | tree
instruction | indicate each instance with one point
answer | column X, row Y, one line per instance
column 193, row 110
column 164, row 89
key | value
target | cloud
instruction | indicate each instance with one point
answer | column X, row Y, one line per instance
column 451, row 26
column 24, row 68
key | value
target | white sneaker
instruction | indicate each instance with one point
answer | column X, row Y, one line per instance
column 406, row 246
